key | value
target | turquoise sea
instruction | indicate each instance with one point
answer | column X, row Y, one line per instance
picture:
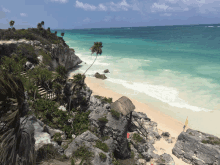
column 174, row 69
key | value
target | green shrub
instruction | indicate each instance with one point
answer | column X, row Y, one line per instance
column 137, row 137
column 105, row 138
column 108, row 100
column 81, row 122
column 46, row 57
column 102, row 156
column 27, row 51
column 83, row 153
column 115, row 113
column 103, row 99
column 47, row 152
column 57, row 137
column 47, row 110
column 132, row 154
column 72, row 162
column 78, row 77
column 101, row 146
column 103, row 119
column 61, row 70
column 212, row 140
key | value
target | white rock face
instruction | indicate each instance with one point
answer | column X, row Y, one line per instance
column 40, row 58
column 62, row 108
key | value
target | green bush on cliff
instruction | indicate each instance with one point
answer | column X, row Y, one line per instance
column 115, row 113
column 103, row 119
column 137, row 137
column 212, row 140
column 101, row 146
column 104, row 99
column 81, row 123
column 83, row 153
column 27, row 51
column 52, row 116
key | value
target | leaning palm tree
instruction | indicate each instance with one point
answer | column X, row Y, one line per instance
column 11, row 23
column 96, row 48
column 42, row 23
column 62, row 34
column 16, row 142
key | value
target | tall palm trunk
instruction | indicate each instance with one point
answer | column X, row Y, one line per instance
column 91, row 65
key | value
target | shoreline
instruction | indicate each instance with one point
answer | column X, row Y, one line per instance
column 164, row 122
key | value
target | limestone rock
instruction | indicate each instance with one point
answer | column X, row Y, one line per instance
column 190, row 147
column 106, row 71
column 100, row 76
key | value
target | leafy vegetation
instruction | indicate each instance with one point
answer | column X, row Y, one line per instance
column 103, row 119
column 47, row 152
column 57, row 137
column 104, row 99
column 84, row 154
column 212, row 140
column 42, row 35
column 78, row 77
column 52, row 116
column 81, row 122
column 137, row 137
column 101, row 146
column 96, row 48
column 102, row 156
column 115, row 113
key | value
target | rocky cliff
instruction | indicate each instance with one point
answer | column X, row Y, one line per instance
column 59, row 53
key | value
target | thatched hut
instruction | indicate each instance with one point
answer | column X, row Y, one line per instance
column 123, row 105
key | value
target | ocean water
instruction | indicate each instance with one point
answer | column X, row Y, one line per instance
column 174, row 69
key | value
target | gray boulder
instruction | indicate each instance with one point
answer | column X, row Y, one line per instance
column 100, row 76
column 106, row 71
column 194, row 147
column 165, row 159
column 88, row 139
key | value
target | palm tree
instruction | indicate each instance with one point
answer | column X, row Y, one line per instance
column 39, row 26
column 16, row 143
column 96, row 48
column 57, row 88
column 62, row 34
column 56, row 32
column 42, row 23
column 11, row 23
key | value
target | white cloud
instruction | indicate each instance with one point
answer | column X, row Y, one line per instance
column 123, row 5
column 5, row 10
column 61, row 1
column 102, row 7
column 159, row 7
column 85, row 6
column 23, row 14
column 87, row 20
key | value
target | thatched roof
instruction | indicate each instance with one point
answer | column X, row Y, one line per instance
column 123, row 105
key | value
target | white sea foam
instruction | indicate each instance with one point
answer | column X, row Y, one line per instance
column 210, row 26
column 165, row 94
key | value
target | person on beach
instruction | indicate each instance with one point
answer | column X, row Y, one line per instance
column 185, row 124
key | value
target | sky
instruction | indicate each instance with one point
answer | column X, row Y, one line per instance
column 80, row 14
